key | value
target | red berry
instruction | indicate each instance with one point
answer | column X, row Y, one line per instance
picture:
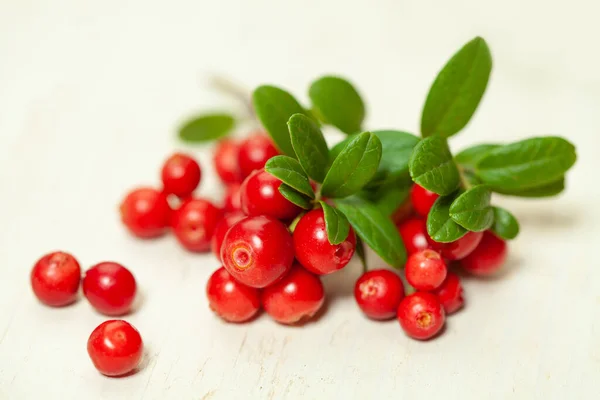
column 458, row 249
column 115, row 348
column 226, row 161
column 422, row 199
column 421, row 315
column 425, row 270
column 488, row 257
column 232, row 200
column 414, row 235
column 110, row 288
column 260, row 195
column 378, row 293
column 231, row 300
column 296, row 297
column 254, row 153
column 257, row 251
column 180, row 175
column 146, row 212
column 221, row 229
column 55, row 279
column 450, row 294
column 194, row 224
column 313, row 249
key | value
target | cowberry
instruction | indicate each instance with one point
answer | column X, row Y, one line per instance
column 458, row 249
column 414, row 235
column 425, row 270
column 298, row 296
column 55, row 279
column 450, row 294
column 230, row 299
column 260, row 195
column 421, row 315
column 378, row 293
column 194, row 224
column 110, row 288
column 146, row 212
column 488, row 257
column 257, row 251
column 254, row 153
column 221, row 229
column 232, row 201
column 422, row 199
column 180, row 175
column 313, row 249
column 115, row 348
column 226, row 161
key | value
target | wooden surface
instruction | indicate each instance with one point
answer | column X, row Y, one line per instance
column 90, row 96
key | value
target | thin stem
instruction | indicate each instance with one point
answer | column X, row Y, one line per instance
column 234, row 90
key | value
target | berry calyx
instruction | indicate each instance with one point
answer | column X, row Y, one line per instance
column 260, row 195
column 458, row 249
column 488, row 257
column 110, row 288
column 378, row 293
column 257, row 251
column 145, row 212
column 313, row 249
column 232, row 201
column 180, row 175
column 230, row 299
column 254, row 152
column 422, row 199
column 115, row 348
column 297, row 297
column 194, row 224
column 226, row 161
column 414, row 235
column 450, row 294
column 221, row 229
column 425, row 270
column 55, row 279
column 421, row 315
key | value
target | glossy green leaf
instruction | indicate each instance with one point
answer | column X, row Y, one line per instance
column 375, row 229
column 388, row 197
column 440, row 225
column 354, row 167
column 289, row 171
column 207, row 127
column 505, row 224
column 457, row 90
column 547, row 190
column 309, row 145
column 470, row 156
column 336, row 224
column 472, row 209
column 338, row 103
column 431, row 166
column 295, row 197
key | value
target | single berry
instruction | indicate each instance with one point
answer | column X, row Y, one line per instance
column 115, row 348
column 180, row 175
column 414, row 235
column 221, row 229
column 194, row 224
column 110, row 288
column 313, row 249
column 55, row 279
column 298, row 296
column 232, row 201
column 254, row 153
column 229, row 299
column 458, row 249
column 378, row 293
column 260, row 195
column 146, row 212
column 421, row 315
column 450, row 294
column 488, row 257
column 226, row 161
column 422, row 199
column 425, row 270
column 257, row 251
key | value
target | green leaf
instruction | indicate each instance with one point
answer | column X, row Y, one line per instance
column 360, row 251
column 440, row 226
column 431, row 166
column 472, row 209
column 336, row 224
column 309, row 145
column 397, row 146
column 388, row 197
column 505, row 224
column 338, row 103
column 207, row 127
column 375, row 229
column 295, row 197
column 547, row 190
column 470, row 156
column 274, row 107
column 289, row 171
column 526, row 164
column 457, row 90
column 353, row 167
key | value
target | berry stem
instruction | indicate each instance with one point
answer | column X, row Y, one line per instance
column 227, row 86
column 464, row 182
